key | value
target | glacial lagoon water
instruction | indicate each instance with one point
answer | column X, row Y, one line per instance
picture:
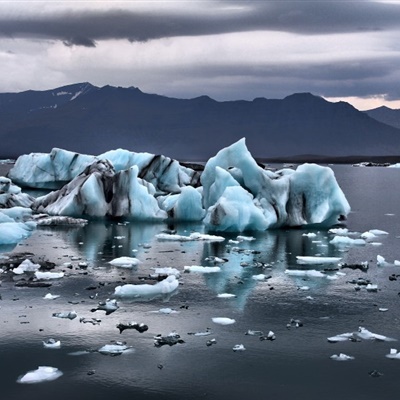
column 296, row 364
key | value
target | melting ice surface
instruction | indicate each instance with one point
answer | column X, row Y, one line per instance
column 41, row 374
column 233, row 193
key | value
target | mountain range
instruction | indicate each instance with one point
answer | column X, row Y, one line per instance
column 89, row 119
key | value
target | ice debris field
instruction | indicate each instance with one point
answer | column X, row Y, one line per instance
column 231, row 195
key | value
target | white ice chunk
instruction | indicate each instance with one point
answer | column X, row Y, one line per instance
column 52, row 344
column 14, row 232
column 49, row 275
column 364, row 333
column 166, row 271
column 192, row 237
column 381, row 261
column 167, row 285
column 339, row 231
column 308, row 273
column 345, row 241
column 125, row 262
column 26, row 266
column 238, row 347
column 394, row 355
column 310, row 234
column 41, row 374
column 226, row 295
column 223, row 321
column 378, row 232
column 368, row 235
column 114, row 349
column 242, row 238
column 199, row 268
column 342, row 357
column 259, row 277
column 317, row 260
column 50, row 296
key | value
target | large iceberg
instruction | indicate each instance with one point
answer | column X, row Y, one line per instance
column 57, row 168
column 236, row 193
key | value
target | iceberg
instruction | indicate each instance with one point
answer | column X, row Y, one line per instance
column 41, row 374
column 57, row 168
column 232, row 194
column 341, row 357
column 12, row 196
column 223, row 321
column 125, row 262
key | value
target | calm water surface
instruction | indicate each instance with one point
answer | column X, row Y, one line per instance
column 296, row 364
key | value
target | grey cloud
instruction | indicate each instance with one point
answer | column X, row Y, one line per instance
column 85, row 27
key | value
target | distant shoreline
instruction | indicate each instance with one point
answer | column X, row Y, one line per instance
column 330, row 159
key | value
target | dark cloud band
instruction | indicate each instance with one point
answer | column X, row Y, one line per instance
column 86, row 27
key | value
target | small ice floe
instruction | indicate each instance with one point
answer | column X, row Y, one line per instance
column 216, row 260
column 207, row 332
column 166, row 310
column 26, row 266
column 378, row 232
column 223, row 321
column 41, row 374
column 269, row 336
column 362, row 266
column 339, row 231
column 50, row 296
column 394, row 354
column 200, row 269
column 345, row 241
column 371, row 287
column 52, row 344
column 294, row 323
column 242, row 238
column 342, row 357
column 362, row 333
column 304, row 287
column 381, row 262
column 238, row 347
column 310, row 234
column 93, row 321
column 171, row 339
column 368, row 235
column 166, row 271
column 251, row 332
column 312, row 273
column 115, row 349
column 132, row 325
column 167, row 285
column 226, row 296
column 109, row 306
column 317, row 260
column 125, row 262
column 195, row 236
column 67, row 315
column 211, row 342
column 382, row 309
column 48, row 275
column 259, row 277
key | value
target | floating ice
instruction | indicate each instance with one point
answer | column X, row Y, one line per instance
column 109, row 306
column 192, row 237
column 166, row 271
column 237, row 194
column 226, row 295
column 26, row 266
column 362, row 333
column 52, row 344
column 368, row 236
column 339, row 231
column 132, row 325
column 166, row 310
column 378, row 232
column 199, row 268
column 342, row 357
column 242, row 238
column 259, row 277
column 66, row 315
column 41, row 374
column 13, row 232
column 308, row 273
column 48, row 275
column 115, row 349
column 381, row 261
column 216, row 260
column 170, row 339
column 167, row 285
column 238, row 347
column 345, row 241
column 317, row 260
column 50, row 296
column 223, row 321
column 125, row 262
column 394, row 355
column 310, row 235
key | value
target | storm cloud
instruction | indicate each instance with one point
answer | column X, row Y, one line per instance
column 226, row 49
column 84, row 27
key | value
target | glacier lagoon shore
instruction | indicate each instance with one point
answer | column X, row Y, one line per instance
column 296, row 363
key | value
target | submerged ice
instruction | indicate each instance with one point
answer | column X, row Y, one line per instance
column 233, row 193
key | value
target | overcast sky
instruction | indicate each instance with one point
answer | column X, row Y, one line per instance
column 341, row 50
